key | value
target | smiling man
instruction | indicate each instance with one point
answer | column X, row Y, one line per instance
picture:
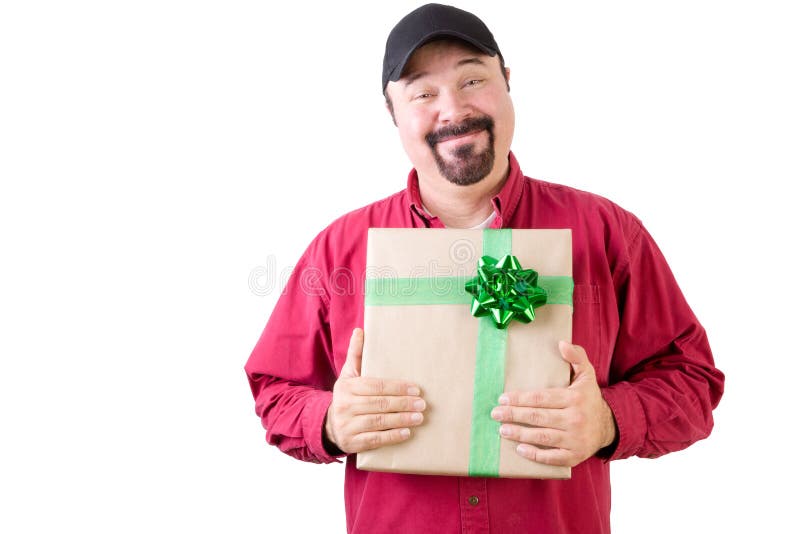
column 454, row 113
column 644, row 381
column 460, row 135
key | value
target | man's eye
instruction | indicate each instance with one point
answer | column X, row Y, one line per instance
column 423, row 96
column 473, row 82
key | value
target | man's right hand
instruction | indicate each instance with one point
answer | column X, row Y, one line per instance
column 367, row 413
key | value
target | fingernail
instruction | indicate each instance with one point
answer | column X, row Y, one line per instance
column 524, row 449
column 497, row 414
column 505, row 431
column 416, row 417
column 413, row 390
column 404, row 432
column 503, row 399
column 419, row 405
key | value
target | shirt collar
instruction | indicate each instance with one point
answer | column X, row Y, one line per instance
column 505, row 202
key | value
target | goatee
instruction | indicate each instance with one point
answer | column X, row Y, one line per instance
column 467, row 166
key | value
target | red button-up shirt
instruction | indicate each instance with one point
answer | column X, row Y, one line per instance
column 650, row 354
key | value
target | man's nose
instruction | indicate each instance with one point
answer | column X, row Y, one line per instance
column 453, row 107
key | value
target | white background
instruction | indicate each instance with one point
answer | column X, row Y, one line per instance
column 155, row 154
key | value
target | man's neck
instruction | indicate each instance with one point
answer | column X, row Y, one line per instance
column 459, row 206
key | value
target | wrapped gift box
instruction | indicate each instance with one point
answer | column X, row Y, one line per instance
column 418, row 326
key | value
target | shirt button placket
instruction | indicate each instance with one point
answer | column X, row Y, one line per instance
column 473, row 504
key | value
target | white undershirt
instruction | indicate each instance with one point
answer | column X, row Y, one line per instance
column 481, row 226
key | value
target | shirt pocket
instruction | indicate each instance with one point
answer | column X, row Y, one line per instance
column 587, row 324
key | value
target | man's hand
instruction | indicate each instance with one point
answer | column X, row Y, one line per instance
column 367, row 413
column 571, row 423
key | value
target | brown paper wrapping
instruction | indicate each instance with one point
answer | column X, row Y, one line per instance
column 434, row 345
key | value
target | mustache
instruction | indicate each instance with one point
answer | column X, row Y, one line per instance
column 473, row 124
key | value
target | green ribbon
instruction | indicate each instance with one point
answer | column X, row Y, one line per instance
column 448, row 290
column 490, row 377
column 500, row 280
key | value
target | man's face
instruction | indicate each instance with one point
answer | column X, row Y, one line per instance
column 453, row 111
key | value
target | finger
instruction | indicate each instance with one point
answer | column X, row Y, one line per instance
column 544, row 437
column 542, row 398
column 372, row 440
column 380, row 386
column 538, row 417
column 559, row 457
column 576, row 356
column 383, row 421
column 373, row 404
column 352, row 363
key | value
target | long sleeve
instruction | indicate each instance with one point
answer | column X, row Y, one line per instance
column 290, row 370
column 663, row 383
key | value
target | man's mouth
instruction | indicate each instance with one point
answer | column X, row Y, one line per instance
column 458, row 137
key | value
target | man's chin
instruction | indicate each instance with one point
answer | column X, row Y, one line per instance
column 465, row 180
column 465, row 161
column 461, row 171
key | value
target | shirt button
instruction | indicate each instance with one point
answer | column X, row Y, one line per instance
column 473, row 500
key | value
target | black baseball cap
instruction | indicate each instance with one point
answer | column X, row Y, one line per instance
column 426, row 23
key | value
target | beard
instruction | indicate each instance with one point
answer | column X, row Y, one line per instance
column 467, row 165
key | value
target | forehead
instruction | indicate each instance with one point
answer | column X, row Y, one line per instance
column 439, row 53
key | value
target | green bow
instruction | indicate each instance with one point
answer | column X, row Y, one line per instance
column 506, row 291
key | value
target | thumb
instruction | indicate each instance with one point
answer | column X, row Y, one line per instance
column 352, row 364
column 576, row 357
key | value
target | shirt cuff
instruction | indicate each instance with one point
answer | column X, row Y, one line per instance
column 313, row 418
column 629, row 416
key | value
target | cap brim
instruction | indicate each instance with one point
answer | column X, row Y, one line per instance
column 397, row 71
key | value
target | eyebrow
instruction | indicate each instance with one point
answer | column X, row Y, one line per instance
column 469, row 60
column 414, row 77
column 411, row 78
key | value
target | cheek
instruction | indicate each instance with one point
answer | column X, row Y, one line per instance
column 503, row 114
column 496, row 104
column 414, row 128
column 412, row 132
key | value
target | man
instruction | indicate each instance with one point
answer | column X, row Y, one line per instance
column 644, row 381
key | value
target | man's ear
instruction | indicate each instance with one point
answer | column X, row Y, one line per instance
column 508, row 75
column 390, row 109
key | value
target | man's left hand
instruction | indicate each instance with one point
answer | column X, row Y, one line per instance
column 559, row 426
